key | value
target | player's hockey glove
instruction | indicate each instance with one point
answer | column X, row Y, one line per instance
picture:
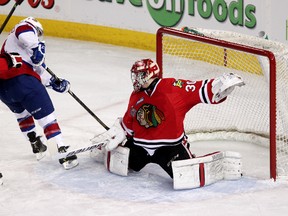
column 14, row 60
column 59, row 85
column 38, row 55
column 223, row 86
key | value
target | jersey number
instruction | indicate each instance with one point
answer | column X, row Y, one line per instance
column 190, row 86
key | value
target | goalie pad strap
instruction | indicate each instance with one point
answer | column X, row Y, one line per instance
column 108, row 160
column 202, row 174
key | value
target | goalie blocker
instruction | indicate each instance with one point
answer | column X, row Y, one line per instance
column 187, row 174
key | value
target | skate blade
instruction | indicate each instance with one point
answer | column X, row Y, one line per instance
column 70, row 164
column 40, row 155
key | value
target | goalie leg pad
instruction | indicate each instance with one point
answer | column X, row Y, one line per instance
column 117, row 160
column 206, row 170
column 198, row 172
column 232, row 165
column 185, row 176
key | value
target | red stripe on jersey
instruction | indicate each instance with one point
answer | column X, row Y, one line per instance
column 209, row 90
column 205, row 92
column 23, row 28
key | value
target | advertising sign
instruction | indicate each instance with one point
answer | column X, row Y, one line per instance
column 243, row 16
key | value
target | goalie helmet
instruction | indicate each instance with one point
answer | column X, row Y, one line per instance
column 35, row 23
column 142, row 71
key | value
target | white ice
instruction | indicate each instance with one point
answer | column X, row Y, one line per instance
column 100, row 78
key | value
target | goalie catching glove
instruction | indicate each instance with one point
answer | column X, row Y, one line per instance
column 222, row 86
column 114, row 136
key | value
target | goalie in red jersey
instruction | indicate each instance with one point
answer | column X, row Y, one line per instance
column 152, row 129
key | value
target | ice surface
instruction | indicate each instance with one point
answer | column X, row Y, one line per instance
column 100, row 77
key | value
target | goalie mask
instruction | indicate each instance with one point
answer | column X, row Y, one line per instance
column 142, row 71
column 36, row 24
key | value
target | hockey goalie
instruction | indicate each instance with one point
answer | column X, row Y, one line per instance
column 152, row 129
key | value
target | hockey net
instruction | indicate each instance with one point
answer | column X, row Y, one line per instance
column 256, row 113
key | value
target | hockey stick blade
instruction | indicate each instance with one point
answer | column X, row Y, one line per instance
column 81, row 150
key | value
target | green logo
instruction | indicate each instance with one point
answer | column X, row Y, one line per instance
column 166, row 13
column 170, row 12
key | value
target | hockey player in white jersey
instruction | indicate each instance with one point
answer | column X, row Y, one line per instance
column 23, row 89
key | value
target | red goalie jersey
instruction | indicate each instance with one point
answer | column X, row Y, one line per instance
column 155, row 117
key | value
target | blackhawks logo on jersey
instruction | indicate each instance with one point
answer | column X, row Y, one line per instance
column 178, row 83
column 149, row 116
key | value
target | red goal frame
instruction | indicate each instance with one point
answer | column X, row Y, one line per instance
column 248, row 49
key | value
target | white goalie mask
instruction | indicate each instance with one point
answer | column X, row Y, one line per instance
column 142, row 71
column 36, row 24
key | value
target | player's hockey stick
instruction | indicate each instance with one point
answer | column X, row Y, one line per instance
column 18, row 2
column 80, row 150
column 79, row 101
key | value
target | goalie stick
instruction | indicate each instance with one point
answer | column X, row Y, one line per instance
column 81, row 149
column 18, row 2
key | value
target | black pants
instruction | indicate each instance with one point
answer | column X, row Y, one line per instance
column 163, row 156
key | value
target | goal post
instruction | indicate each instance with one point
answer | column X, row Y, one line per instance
column 257, row 112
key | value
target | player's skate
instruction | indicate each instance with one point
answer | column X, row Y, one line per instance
column 68, row 162
column 38, row 147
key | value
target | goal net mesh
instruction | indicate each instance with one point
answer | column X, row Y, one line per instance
column 246, row 114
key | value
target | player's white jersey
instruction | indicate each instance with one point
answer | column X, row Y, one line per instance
column 22, row 39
